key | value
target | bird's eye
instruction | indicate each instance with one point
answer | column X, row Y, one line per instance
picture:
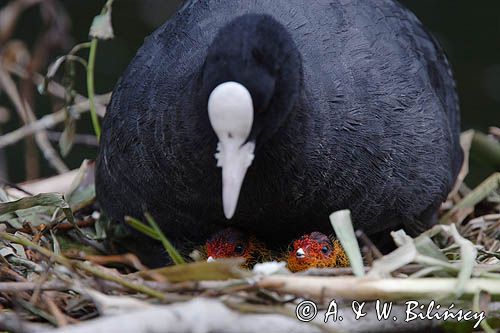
column 238, row 249
column 324, row 249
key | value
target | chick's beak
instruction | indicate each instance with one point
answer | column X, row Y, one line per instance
column 300, row 253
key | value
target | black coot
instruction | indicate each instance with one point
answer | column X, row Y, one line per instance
column 311, row 106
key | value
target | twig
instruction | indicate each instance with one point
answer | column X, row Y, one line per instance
column 372, row 289
column 334, row 271
column 126, row 259
column 36, row 311
column 84, row 266
column 11, row 274
column 10, row 14
column 43, row 142
column 58, row 90
column 58, row 183
column 369, row 243
column 79, row 223
column 41, row 280
column 82, row 139
column 26, row 263
column 15, row 186
column 198, row 315
column 52, row 39
column 27, row 116
column 465, row 143
column 477, row 307
column 54, row 309
column 47, row 121
column 10, row 322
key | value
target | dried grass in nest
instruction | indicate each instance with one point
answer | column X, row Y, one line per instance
column 55, row 275
column 50, row 280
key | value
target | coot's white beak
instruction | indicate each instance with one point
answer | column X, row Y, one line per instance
column 210, row 259
column 230, row 110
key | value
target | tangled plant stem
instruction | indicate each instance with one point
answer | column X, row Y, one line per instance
column 90, row 87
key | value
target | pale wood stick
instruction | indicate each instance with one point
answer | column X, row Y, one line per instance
column 27, row 115
column 371, row 289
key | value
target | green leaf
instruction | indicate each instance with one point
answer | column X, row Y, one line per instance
column 171, row 250
column 43, row 199
column 35, row 215
column 155, row 232
column 141, row 227
column 221, row 269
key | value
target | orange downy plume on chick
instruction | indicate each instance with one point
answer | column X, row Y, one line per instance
column 316, row 250
column 233, row 243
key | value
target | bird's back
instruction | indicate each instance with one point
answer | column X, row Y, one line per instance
column 379, row 124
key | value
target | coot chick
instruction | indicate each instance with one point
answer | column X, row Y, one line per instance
column 309, row 106
column 233, row 243
column 316, row 250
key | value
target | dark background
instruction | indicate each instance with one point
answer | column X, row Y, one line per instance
column 469, row 32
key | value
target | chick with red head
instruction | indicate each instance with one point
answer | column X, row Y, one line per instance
column 316, row 250
column 233, row 243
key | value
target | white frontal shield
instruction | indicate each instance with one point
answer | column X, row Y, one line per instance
column 230, row 110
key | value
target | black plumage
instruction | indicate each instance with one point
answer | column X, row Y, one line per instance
column 355, row 107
